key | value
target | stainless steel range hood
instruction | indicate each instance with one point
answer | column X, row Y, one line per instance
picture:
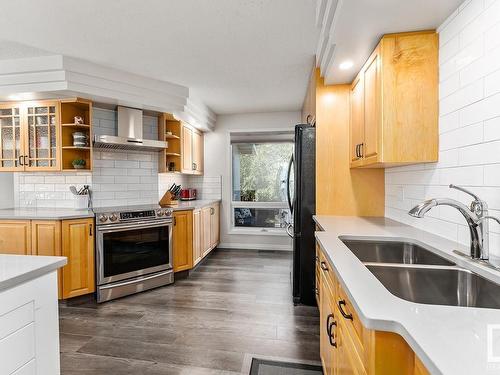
column 130, row 134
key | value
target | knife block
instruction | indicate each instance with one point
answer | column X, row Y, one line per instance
column 168, row 199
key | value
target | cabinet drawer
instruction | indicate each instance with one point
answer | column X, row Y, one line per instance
column 326, row 269
column 350, row 361
column 16, row 319
column 17, row 349
column 28, row 369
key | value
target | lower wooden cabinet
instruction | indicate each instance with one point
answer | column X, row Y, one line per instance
column 195, row 234
column 182, row 238
column 78, row 276
column 346, row 346
column 73, row 239
column 15, row 237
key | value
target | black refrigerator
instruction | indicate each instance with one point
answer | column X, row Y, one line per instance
column 302, row 201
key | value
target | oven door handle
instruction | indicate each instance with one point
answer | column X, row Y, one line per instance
column 122, row 227
column 135, row 280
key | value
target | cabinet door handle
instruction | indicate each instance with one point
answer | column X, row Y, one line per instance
column 24, row 160
column 329, row 327
column 90, row 230
column 344, row 314
column 323, row 266
column 357, row 151
column 212, row 211
column 175, row 221
column 361, row 149
column 20, row 160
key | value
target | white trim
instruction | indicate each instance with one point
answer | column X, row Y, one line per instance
column 253, row 246
column 257, row 231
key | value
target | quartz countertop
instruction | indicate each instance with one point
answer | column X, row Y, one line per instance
column 193, row 205
column 17, row 269
column 43, row 213
column 448, row 339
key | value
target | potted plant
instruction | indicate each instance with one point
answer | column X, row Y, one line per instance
column 78, row 163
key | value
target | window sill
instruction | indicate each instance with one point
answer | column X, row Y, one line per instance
column 259, row 232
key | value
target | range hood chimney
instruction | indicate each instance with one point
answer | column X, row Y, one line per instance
column 130, row 134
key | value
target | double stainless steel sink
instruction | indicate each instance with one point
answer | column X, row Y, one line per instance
column 416, row 274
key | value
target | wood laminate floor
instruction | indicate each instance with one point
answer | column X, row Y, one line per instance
column 237, row 302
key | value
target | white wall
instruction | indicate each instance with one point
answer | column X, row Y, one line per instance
column 218, row 163
column 469, row 127
column 6, row 190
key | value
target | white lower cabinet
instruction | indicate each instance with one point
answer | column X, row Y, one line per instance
column 29, row 328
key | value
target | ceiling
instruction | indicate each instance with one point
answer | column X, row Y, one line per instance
column 354, row 28
column 234, row 55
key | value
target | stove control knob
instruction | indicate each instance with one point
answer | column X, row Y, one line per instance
column 168, row 212
column 113, row 217
column 160, row 212
column 103, row 218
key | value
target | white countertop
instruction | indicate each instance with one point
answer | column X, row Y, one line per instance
column 17, row 269
column 193, row 205
column 448, row 339
column 43, row 213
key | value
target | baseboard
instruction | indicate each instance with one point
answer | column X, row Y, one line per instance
column 253, row 246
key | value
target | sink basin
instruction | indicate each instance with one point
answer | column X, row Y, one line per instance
column 369, row 251
column 438, row 286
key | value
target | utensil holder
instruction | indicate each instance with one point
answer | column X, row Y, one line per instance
column 82, row 201
column 168, row 199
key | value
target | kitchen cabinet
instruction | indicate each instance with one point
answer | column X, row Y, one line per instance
column 346, row 346
column 309, row 106
column 30, row 136
column 197, row 252
column 185, row 146
column 192, row 150
column 15, row 237
column 182, row 238
column 46, row 240
column 73, row 239
column 394, row 103
column 195, row 235
column 78, row 276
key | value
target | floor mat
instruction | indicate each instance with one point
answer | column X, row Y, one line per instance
column 266, row 367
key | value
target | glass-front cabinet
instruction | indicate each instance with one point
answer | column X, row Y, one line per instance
column 29, row 136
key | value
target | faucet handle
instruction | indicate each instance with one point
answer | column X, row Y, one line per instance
column 478, row 206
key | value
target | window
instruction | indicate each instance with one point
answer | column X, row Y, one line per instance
column 259, row 174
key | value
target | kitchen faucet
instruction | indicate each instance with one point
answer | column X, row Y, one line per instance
column 476, row 216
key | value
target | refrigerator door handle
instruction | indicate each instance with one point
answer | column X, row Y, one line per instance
column 290, row 164
column 289, row 230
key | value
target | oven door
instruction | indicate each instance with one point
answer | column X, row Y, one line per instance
column 133, row 249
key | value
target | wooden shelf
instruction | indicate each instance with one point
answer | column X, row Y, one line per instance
column 75, row 148
column 172, row 154
column 83, row 126
column 172, row 136
column 76, row 170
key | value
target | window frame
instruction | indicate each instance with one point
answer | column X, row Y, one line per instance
column 233, row 229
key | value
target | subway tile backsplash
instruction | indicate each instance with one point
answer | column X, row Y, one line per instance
column 118, row 177
column 469, row 127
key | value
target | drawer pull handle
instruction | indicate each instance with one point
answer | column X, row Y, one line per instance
column 323, row 266
column 329, row 328
column 347, row 316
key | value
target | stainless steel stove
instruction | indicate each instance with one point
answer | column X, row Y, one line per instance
column 133, row 250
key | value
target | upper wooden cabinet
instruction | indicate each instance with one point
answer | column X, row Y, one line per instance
column 185, row 146
column 38, row 135
column 394, row 103
column 29, row 136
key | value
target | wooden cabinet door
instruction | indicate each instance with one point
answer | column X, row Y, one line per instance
column 372, row 106
column 187, row 149
column 214, row 225
column 327, row 326
column 11, row 138
column 42, row 139
column 78, row 246
column 206, row 222
column 357, row 118
column 182, row 238
column 198, row 152
column 197, row 234
column 15, row 237
column 46, row 240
